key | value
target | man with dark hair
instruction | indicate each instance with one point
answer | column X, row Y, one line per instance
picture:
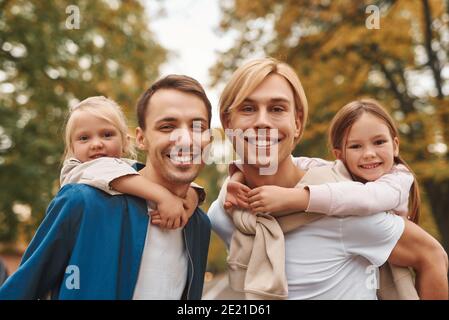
column 179, row 83
column 92, row 245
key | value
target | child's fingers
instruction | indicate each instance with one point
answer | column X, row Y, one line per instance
column 256, row 204
column 153, row 213
column 155, row 217
column 170, row 223
column 242, row 195
column 245, row 189
column 239, row 200
column 254, row 192
column 254, row 198
column 257, row 210
column 176, row 223
column 243, row 203
column 164, row 222
column 156, row 222
column 227, row 205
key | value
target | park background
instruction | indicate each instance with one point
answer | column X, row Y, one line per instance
column 393, row 50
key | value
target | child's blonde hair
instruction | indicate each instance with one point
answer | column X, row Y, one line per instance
column 342, row 123
column 103, row 108
column 249, row 76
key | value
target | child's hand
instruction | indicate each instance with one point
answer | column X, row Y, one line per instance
column 236, row 195
column 175, row 216
column 268, row 199
column 170, row 213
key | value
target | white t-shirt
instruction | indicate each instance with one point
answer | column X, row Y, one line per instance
column 163, row 268
column 333, row 257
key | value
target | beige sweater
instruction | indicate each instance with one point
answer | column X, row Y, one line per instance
column 256, row 260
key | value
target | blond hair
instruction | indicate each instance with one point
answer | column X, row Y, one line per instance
column 342, row 123
column 103, row 108
column 249, row 76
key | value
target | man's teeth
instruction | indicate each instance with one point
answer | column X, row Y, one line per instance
column 181, row 159
column 262, row 143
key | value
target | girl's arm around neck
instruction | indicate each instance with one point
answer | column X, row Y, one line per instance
column 389, row 192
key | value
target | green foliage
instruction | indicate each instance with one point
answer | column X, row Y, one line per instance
column 45, row 65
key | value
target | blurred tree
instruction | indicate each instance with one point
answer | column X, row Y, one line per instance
column 48, row 61
column 212, row 177
column 341, row 54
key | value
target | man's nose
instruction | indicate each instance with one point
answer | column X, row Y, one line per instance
column 262, row 119
column 183, row 137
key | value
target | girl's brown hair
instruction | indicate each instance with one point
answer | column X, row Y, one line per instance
column 342, row 123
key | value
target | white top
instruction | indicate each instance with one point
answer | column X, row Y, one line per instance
column 163, row 268
column 97, row 173
column 333, row 257
column 389, row 192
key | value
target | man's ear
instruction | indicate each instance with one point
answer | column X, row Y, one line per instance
column 396, row 146
column 141, row 141
column 337, row 154
column 226, row 120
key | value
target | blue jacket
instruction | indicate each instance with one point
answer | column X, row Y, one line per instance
column 99, row 237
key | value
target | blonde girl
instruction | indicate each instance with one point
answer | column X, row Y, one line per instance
column 96, row 140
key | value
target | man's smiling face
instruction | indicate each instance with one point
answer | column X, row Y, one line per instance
column 174, row 150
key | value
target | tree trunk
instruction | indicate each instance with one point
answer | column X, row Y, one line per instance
column 438, row 195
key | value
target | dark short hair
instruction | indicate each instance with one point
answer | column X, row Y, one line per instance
column 177, row 82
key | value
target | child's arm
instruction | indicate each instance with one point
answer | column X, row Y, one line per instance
column 274, row 199
column 97, row 173
column 168, row 205
column 389, row 192
column 116, row 176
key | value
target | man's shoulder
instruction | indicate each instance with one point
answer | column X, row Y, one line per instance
column 79, row 199
column 378, row 223
column 86, row 195
column 80, row 191
column 202, row 218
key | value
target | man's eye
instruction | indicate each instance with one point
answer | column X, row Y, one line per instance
column 202, row 128
column 277, row 108
column 247, row 108
column 166, row 128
